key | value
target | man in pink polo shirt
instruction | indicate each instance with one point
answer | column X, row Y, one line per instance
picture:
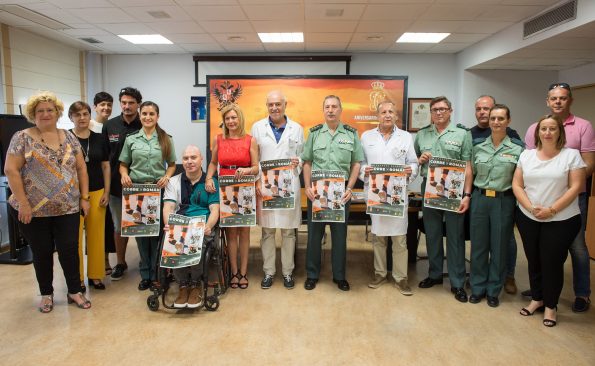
column 579, row 136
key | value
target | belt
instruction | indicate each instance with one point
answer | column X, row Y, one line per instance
column 232, row 167
column 492, row 193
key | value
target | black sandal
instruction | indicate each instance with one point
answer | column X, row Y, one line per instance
column 235, row 284
column 243, row 286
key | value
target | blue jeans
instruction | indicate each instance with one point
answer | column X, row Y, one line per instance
column 581, row 270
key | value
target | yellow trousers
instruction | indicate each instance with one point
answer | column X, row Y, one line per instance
column 94, row 227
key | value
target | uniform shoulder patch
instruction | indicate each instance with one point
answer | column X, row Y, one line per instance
column 462, row 126
column 316, row 128
column 132, row 133
column 424, row 127
column 518, row 142
column 478, row 140
column 349, row 128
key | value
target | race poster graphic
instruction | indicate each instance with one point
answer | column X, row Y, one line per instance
column 329, row 187
column 277, row 185
column 141, row 210
column 238, row 201
column 182, row 243
column 445, row 184
column 387, row 190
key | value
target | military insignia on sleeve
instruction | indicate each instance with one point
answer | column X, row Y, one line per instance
column 316, row 128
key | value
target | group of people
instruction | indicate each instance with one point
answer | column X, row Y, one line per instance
column 57, row 177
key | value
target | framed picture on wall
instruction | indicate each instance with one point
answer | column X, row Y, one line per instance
column 419, row 113
column 360, row 95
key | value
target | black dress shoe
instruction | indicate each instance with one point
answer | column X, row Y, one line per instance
column 97, row 286
column 493, row 301
column 310, row 283
column 429, row 282
column 475, row 299
column 144, row 284
column 527, row 293
column 343, row 285
column 460, row 293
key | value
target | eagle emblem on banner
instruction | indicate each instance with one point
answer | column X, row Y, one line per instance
column 226, row 93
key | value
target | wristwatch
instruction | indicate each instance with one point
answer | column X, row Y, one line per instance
column 85, row 198
column 466, row 195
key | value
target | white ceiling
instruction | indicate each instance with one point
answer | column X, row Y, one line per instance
column 231, row 26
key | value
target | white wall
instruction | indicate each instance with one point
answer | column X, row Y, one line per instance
column 38, row 63
column 578, row 76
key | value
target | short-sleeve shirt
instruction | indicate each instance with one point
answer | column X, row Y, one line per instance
column 546, row 181
column 49, row 176
column 494, row 167
column 191, row 200
column 453, row 143
column 95, row 148
column 335, row 151
column 579, row 134
column 143, row 157
column 479, row 134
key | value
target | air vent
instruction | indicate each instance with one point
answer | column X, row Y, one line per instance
column 552, row 18
column 159, row 14
column 90, row 40
column 331, row 13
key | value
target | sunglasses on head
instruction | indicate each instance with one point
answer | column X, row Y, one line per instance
column 560, row 85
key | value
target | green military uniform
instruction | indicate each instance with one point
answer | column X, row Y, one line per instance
column 329, row 151
column 454, row 143
column 143, row 157
column 492, row 212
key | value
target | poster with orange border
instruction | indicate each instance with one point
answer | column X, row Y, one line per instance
column 238, row 201
column 387, row 191
column 329, row 188
column 359, row 95
column 445, row 184
column 277, row 184
column 141, row 210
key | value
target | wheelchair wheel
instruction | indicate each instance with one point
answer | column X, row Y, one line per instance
column 212, row 303
column 153, row 302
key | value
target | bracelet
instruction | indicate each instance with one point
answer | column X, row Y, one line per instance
column 211, row 178
column 86, row 198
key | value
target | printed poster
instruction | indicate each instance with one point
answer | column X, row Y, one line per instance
column 182, row 244
column 387, row 190
column 277, row 185
column 445, row 184
column 237, row 201
column 141, row 210
column 329, row 187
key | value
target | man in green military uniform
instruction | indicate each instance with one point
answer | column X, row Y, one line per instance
column 330, row 146
column 492, row 207
column 447, row 140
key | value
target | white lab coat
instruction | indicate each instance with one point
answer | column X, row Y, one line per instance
column 290, row 145
column 397, row 150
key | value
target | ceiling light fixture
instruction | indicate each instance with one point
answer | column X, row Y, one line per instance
column 422, row 37
column 297, row 37
column 145, row 38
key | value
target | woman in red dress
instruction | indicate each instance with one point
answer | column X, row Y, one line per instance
column 234, row 153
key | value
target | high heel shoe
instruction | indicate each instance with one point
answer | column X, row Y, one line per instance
column 96, row 285
column 243, row 286
column 526, row 312
column 47, row 303
column 86, row 304
column 550, row 322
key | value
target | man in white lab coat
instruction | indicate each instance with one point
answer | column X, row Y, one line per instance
column 387, row 144
column 278, row 137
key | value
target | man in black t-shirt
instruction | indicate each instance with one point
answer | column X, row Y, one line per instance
column 114, row 132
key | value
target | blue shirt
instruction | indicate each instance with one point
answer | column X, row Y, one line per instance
column 278, row 131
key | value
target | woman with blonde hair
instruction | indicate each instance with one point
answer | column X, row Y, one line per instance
column 234, row 153
column 48, row 178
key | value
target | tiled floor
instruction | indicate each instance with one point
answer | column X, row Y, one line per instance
column 297, row 327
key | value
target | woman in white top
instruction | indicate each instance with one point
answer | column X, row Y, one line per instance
column 387, row 144
column 546, row 183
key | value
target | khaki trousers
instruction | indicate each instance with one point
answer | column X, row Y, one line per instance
column 399, row 256
column 269, row 249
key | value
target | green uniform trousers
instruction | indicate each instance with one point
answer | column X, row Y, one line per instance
column 492, row 222
column 338, row 249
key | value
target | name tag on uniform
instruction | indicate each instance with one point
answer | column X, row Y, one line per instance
column 342, row 141
column 490, row 193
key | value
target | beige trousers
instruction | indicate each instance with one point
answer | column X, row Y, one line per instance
column 269, row 249
column 399, row 256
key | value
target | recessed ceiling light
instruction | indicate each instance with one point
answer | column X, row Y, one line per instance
column 282, row 37
column 422, row 37
column 145, row 38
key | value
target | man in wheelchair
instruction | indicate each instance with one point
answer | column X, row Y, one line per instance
column 185, row 194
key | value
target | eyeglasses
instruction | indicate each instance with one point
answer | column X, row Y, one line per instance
column 560, row 85
column 48, row 110
column 439, row 110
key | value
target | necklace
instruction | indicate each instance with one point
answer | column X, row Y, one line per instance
column 43, row 141
column 85, row 153
column 55, row 155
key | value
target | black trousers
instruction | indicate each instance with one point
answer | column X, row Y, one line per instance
column 546, row 247
column 43, row 235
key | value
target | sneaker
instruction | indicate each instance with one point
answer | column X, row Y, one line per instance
column 510, row 285
column 377, row 282
column 403, row 287
column 266, row 282
column 182, row 299
column 195, row 297
column 288, row 281
column 118, row 271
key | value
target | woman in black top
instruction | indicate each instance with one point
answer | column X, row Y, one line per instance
column 96, row 157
